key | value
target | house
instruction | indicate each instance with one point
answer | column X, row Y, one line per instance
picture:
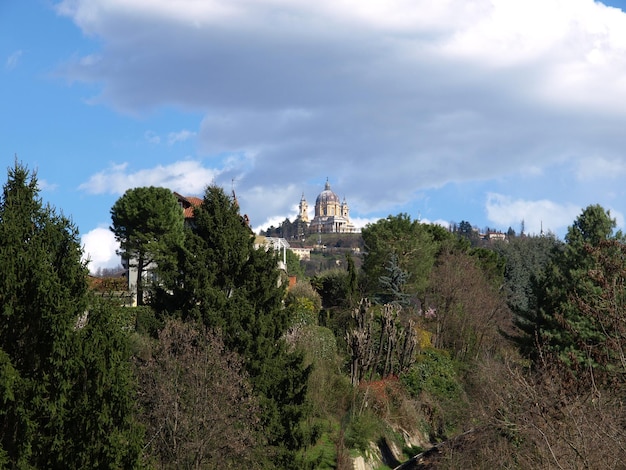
column 277, row 244
column 303, row 253
column 188, row 204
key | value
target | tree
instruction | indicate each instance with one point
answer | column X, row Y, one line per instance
column 47, row 365
column 407, row 244
column 525, row 261
column 225, row 283
column 103, row 424
column 148, row 224
column 557, row 321
column 294, row 268
column 469, row 312
column 468, row 232
column 196, row 399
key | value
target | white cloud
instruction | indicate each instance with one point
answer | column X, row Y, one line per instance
column 187, row 177
column 600, row 169
column 180, row 136
column 100, row 249
column 44, row 185
column 387, row 98
column 12, row 60
column 541, row 215
column 442, row 223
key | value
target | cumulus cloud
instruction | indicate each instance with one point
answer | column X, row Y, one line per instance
column 387, row 98
column 537, row 216
column 188, row 177
column 100, row 249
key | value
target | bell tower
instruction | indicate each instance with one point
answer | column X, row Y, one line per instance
column 304, row 210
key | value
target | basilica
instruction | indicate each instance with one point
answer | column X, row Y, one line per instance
column 331, row 214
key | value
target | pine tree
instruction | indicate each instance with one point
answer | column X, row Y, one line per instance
column 558, row 323
column 229, row 285
column 102, row 421
column 43, row 293
column 148, row 224
column 406, row 245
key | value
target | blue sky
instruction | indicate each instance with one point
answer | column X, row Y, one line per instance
column 491, row 111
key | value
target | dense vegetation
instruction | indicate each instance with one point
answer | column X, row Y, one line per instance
column 506, row 354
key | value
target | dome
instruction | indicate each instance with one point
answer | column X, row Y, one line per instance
column 327, row 195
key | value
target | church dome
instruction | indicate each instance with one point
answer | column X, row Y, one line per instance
column 327, row 196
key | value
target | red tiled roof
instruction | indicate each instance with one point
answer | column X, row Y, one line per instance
column 188, row 204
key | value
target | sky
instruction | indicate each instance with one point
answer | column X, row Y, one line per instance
column 502, row 113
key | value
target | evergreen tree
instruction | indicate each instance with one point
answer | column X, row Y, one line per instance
column 557, row 321
column 228, row 284
column 43, row 371
column 102, row 422
column 525, row 261
column 148, row 224
column 294, row 267
column 407, row 244
column 42, row 293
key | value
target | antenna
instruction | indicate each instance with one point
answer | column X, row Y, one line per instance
column 232, row 183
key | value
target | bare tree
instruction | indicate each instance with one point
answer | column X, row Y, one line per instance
column 469, row 312
column 198, row 407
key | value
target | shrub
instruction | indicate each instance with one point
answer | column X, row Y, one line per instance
column 434, row 373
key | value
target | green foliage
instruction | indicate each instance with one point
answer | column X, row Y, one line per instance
column 224, row 282
column 303, row 303
column 433, row 373
column 303, row 312
column 525, row 261
column 491, row 263
column 333, row 287
column 316, row 342
column 406, row 243
column 363, row 428
column 148, row 224
column 393, row 283
column 146, row 322
column 322, row 455
column 466, row 231
column 353, row 281
column 294, row 268
column 557, row 321
column 103, row 426
column 67, row 398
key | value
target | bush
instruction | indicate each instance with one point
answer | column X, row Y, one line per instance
column 362, row 429
column 434, row 373
column 146, row 323
column 333, row 287
column 304, row 304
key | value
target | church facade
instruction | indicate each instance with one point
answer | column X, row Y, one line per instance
column 331, row 214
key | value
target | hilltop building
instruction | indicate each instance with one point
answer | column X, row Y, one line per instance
column 331, row 214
